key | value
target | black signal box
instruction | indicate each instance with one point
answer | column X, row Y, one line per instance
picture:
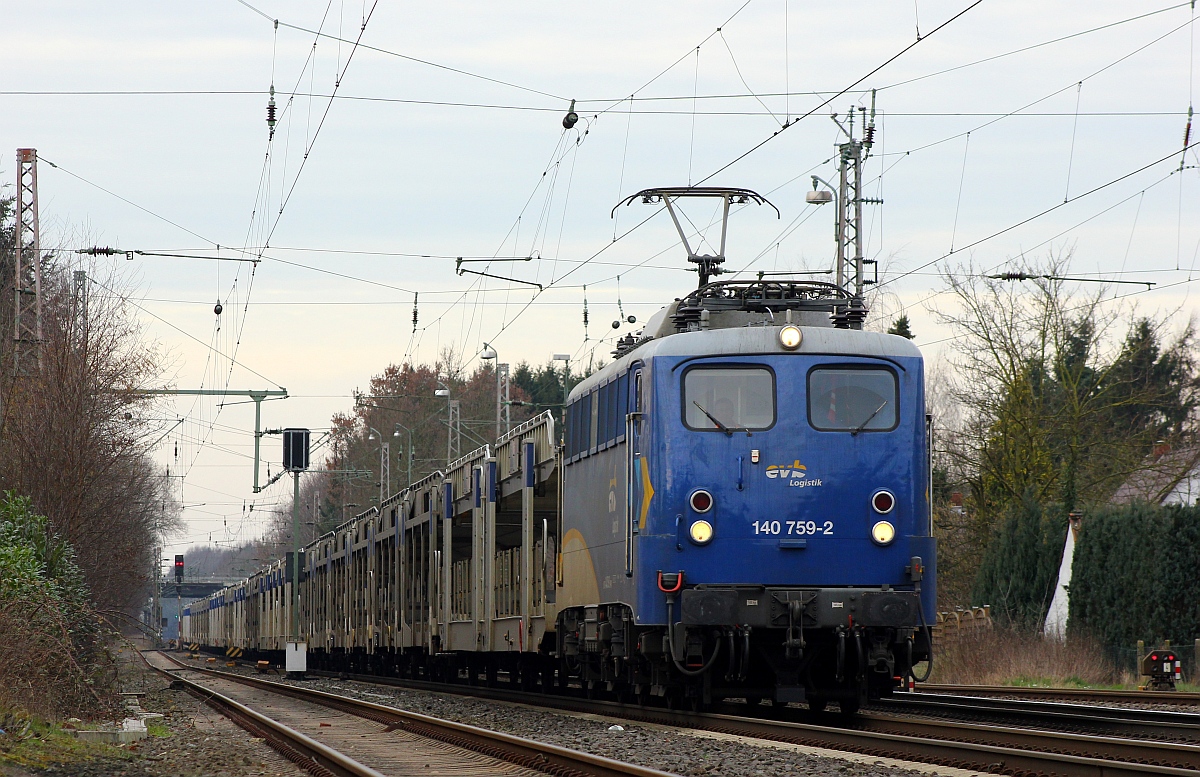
column 295, row 450
column 179, row 568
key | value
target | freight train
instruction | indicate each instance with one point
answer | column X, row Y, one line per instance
column 737, row 507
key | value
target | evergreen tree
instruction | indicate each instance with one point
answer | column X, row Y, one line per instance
column 544, row 387
column 1020, row 566
column 901, row 327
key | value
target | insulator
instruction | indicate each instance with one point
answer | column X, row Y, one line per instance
column 414, row 311
column 217, row 308
column 271, row 114
column 571, row 118
column 870, row 137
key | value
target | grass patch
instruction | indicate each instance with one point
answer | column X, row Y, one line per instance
column 36, row 744
column 158, row 730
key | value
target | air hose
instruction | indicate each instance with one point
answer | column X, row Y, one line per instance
column 929, row 639
column 671, row 646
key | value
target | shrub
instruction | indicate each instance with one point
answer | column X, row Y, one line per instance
column 53, row 656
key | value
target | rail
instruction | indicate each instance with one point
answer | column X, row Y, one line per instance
column 1177, row 698
column 301, row 750
column 538, row 756
column 963, row 745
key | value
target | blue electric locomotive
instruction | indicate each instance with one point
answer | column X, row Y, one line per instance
column 746, row 505
column 740, row 509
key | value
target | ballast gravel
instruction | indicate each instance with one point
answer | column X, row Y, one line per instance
column 691, row 754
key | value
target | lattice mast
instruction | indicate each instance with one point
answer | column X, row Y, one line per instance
column 850, row 262
column 27, row 267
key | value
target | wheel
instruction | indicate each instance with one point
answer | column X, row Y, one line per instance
column 817, row 705
column 849, row 706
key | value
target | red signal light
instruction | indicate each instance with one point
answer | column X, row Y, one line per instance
column 882, row 501
column 701, row 501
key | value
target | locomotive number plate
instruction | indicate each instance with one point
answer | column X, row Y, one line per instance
column 794, row 528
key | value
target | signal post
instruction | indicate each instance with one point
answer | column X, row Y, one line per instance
column 295, row 460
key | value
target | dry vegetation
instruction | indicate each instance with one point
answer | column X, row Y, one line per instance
column 1012, row 657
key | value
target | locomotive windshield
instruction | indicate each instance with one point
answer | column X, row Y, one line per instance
column 852, row 400
column 729, row 398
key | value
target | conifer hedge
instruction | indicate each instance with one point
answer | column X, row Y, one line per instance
column 1020, row 566
column 1136, row 575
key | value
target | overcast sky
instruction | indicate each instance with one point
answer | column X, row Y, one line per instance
column 445, row 139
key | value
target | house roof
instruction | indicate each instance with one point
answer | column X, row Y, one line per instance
column 1160, row 475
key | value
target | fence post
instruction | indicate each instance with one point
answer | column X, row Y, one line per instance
column 1141, row 653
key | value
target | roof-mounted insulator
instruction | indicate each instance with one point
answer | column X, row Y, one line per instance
column 271, row 114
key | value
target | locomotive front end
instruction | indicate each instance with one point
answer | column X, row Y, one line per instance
column 789, row 522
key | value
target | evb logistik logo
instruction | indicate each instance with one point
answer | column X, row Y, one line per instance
column 795, row 474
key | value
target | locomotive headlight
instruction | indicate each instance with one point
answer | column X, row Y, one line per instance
column 882, row 533
column 701, row 532
column 790, row 337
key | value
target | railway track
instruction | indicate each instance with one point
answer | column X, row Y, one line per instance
column 969, row 745
column 1173, row 698
column 1112, row 721
column 334, row 735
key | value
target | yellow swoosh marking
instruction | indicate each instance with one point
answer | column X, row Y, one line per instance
column 647, row 493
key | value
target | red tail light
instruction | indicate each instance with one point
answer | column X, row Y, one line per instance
column 883, row 501
column 701, row 501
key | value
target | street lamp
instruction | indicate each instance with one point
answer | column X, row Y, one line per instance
column 820, row 197
column 383, row 461
column 396, row 433
column 488, row 354
column 565, row 358
column 451, row 407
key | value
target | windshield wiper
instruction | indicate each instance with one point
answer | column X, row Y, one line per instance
column 713, row 418
column 863, row 425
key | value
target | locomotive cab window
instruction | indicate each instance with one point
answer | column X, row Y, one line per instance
column 729, row 398
column 846, row 399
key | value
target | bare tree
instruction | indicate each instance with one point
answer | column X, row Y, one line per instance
column 77, row 440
